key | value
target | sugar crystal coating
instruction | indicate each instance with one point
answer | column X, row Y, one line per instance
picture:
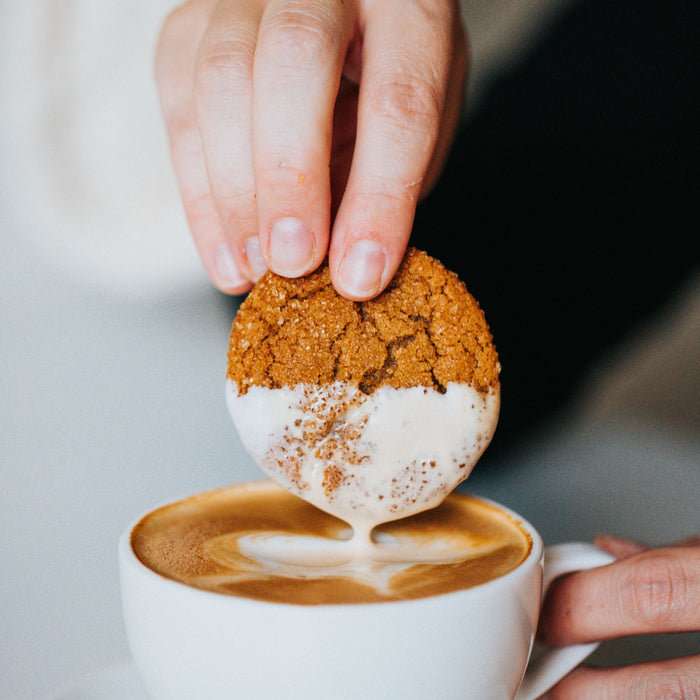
column 425, row 329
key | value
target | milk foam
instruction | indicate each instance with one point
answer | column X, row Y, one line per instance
column 366, row 459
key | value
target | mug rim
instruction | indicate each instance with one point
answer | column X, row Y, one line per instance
column 129, row 558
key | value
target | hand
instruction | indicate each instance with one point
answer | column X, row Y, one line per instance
column 287, row 118
column 645, row 591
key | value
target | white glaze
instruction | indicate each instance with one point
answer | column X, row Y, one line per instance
column 388, row 455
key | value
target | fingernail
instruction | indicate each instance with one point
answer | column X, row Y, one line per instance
column 255, row 259
column 362, row 268
column 619, row 547
column 227, row 273
column 291, row 247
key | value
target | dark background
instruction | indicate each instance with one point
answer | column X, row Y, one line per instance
column 570, row 203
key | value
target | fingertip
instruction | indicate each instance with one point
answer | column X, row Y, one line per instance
column 237, row 290
column 291, row 248
column 256, row 263
column 361, row 273
column 619, row 547
column 225, row 273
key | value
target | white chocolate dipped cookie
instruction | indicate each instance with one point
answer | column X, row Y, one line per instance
column 373, row 410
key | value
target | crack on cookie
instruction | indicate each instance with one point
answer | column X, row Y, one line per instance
column 293, row 331
column 374, row 378
column 438, row 386
column 304, row 296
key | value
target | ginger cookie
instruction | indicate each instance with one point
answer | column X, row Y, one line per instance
column 370, row 410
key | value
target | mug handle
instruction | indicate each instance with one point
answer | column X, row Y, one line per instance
column 552, row 665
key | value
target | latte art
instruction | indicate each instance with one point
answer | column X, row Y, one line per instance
column 259, row 541
column 274, row 555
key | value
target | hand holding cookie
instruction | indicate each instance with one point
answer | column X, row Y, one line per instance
column 300, row 131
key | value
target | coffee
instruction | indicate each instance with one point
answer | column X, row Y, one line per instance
column 258, row 541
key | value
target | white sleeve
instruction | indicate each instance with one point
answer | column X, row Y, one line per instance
column 85, row 150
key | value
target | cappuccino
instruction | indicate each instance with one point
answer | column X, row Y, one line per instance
column 259, row 541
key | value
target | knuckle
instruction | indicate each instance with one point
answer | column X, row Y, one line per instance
column 668, row 683
column 178, row 28
column 393, row 192
column 304, row 33
column 173, row 31
column 410, row 104
column 239, row 208
column 378, row 197
column 176, row 22
column 656, row 591
column 223, row 67
column 199, row 207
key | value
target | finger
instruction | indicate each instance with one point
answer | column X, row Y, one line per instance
column 298, row 64
column 655, row 591
column 223, row 91
column 454, row 105
column 620, row 547
column 407, row 52
column 678, row 678
column 174, row 69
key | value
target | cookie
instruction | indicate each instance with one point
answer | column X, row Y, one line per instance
column 370, row 410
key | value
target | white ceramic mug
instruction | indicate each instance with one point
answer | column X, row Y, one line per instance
column 474, row 644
